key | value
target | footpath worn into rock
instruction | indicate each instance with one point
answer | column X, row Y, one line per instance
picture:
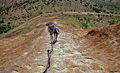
column 77, row 51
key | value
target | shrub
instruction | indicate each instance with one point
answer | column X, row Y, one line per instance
column 5, row 28
column 111, row 22
column 97, row 10
column 1, row 21
column 84, row 26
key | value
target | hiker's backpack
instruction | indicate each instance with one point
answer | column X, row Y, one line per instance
column 56, row 30
column 51, row 27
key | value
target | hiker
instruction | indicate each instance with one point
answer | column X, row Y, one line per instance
column 50, row 29
column 56, row 32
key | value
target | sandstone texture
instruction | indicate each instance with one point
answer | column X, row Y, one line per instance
column 77, row 51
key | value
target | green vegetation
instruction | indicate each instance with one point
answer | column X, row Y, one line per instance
column 97, row 10
column 5, row 28
column 4, row 8
column 116, row 20
column 31, row 8
column 25, row 29
column 80, row 22
column 1, row 21
column 22, row 30
column 90, row 21
column 71, row 20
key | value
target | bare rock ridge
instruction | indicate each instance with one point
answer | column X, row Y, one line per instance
column 105, row 43
column 77, row 51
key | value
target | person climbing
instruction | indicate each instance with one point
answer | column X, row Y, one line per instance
column 56, row 32
column 50, row 29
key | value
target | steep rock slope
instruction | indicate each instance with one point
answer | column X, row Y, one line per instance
column 104, row 45
column 77, row 51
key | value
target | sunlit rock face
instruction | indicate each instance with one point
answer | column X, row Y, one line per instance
column 77, row 51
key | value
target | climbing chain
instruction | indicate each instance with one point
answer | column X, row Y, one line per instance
column 49, row 56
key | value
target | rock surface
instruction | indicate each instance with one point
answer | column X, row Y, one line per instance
column 77, row 51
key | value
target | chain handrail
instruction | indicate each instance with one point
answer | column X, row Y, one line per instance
column 49, row 56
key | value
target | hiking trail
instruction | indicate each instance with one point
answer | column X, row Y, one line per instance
column 27, row 53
